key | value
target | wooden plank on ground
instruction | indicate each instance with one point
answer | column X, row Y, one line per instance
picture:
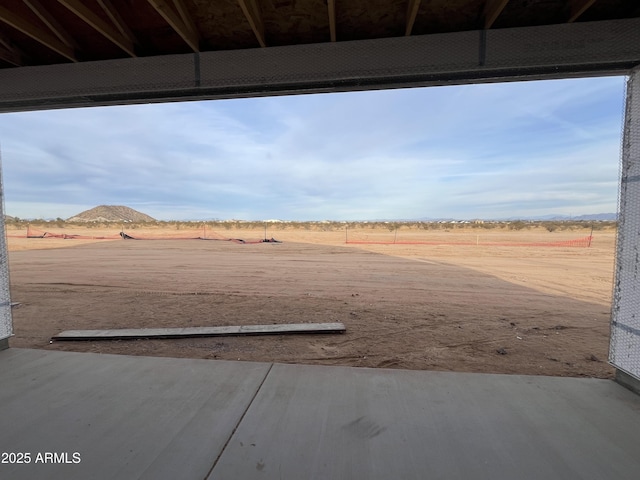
column 137, row 333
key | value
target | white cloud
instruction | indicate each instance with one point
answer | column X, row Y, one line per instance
column 483, row 150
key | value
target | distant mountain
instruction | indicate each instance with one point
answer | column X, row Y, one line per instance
column 597, row 217
column 607, row 217
column 601, row 217
column 111, row 213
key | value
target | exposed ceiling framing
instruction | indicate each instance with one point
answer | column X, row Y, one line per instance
column 331, row 6
column 88, row 16
column 179, row 20
column 36, row 32
column 117, row 21
column 51, row 22
column 44, row 32
column 251, row 10
column 492, row 9
column 578, row 7
column 412, row 13
column 9, row 53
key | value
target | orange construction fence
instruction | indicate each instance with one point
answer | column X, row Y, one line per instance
column 578, row 242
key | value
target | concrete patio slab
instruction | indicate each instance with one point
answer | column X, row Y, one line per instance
column 126, row 417
column 345, row 423
column 162, row 418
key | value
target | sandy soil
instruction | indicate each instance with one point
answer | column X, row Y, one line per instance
column 475, row 308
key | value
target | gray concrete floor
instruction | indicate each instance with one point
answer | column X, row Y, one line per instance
column 160, row 418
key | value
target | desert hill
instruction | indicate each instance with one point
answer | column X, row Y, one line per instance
column 111, row 213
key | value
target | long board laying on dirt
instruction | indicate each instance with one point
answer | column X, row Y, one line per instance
column 137, row 333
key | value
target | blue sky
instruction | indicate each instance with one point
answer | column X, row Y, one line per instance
column 477, row 151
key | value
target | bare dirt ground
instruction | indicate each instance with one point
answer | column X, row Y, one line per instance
column 474, row 308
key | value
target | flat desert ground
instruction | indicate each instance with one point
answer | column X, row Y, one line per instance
column 440, row 306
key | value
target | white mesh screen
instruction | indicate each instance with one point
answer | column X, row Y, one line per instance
column 624, row 352
column 6, row 325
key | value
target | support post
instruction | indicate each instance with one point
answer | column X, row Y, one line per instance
column 624, row 349
column 6, row 322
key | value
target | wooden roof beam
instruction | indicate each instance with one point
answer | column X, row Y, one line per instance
column 5, row 42
column 331, row 6
column 412, row 12
column 175, row 20
column 117, row 21
column 36, row 33
column 9, row 53
column 492, row 10
column 90, row 18
column 186, row 18
column 51, row 22
column 578, row 7
column 252, row 12
column 13, row 52
column 10, row 56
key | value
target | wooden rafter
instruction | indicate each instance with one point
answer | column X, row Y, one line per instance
column 176, row 22
column 13, row 49
column 492, row 9
column 578, row 7
column 331, row 5
column 37, row 33
column 90, row 18
column 10, row 56
column 252, row 12
column 412, row 13
column 117, row 20
column 10, row 53
column 51, row 22
column 186, row 18
column 4, row 42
